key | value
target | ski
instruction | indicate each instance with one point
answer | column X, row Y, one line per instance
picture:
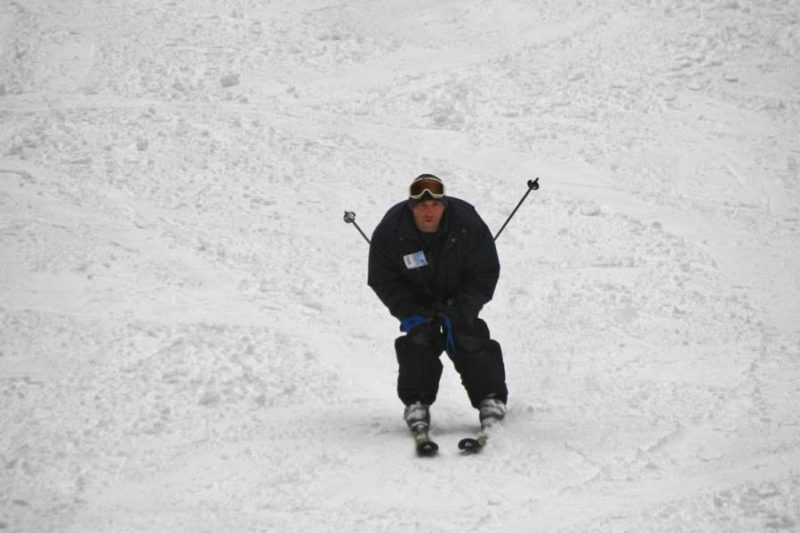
column 476, row 443
column 425, row 446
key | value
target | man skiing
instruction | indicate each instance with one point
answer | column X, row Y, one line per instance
column 434, row 265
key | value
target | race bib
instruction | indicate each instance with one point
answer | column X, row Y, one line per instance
column 415, row 260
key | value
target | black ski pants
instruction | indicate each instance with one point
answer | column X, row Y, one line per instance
column 477, row 358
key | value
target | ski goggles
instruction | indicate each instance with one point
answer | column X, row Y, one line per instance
column 431, row 185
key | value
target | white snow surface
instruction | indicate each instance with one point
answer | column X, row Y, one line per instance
column 187, row 340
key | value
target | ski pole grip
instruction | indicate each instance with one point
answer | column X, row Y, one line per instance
column 350, row 218
column 532, row 186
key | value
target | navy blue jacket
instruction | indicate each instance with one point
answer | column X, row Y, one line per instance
column 462, row 265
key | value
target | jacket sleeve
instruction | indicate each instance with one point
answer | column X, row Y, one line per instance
column 480, row 272
column 386, row 278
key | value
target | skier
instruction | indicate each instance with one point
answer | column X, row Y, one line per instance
column 433, row 264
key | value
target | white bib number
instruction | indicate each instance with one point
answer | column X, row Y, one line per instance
column 415, row 260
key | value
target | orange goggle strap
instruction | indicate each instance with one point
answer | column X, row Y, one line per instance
column 420, row 186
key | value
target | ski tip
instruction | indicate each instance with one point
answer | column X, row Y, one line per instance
column 470, row 445
column 427, row 448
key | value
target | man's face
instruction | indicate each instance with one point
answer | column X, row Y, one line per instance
column 428, row 215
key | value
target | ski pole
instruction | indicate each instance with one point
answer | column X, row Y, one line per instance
column 350, row 218
column 532, row 186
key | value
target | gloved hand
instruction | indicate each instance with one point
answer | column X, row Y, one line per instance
column 451, row 318
column 451, row 310
column 422, row 315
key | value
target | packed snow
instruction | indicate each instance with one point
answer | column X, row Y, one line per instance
column 187, row 340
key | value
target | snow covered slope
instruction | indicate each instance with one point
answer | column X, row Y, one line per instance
column 187, row 342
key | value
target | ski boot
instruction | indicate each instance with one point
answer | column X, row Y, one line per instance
column 417, row 416
column 490, row 411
